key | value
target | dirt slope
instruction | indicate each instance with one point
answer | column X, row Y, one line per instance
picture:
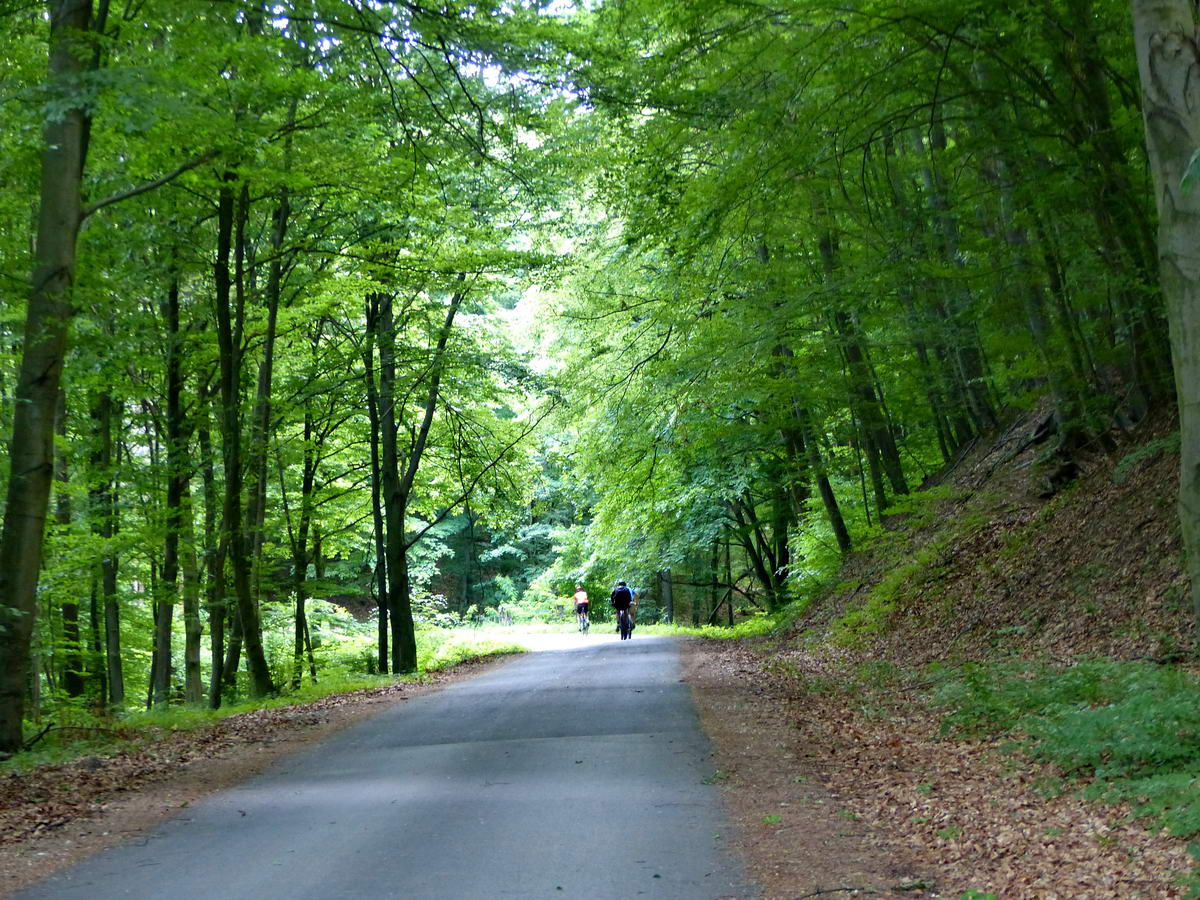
column 832, row 798
column 1093, row 569
column 870, row 799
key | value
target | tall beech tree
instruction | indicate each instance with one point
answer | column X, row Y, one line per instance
column 400, row 465
column 1166, row 34
column 47, row 319
column 76, row 37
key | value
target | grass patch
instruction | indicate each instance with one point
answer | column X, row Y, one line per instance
column 443, row 648
column 754, row 626
column 1132, row 459
column 76, row 732
column 870, row 618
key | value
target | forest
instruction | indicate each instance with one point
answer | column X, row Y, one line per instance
column 330, row 323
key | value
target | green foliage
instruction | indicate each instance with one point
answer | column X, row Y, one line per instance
column 870, row 617
column 1128, row 462
column 753, row 626
column 449, row 649
column 1132, row 729
column 536, row 607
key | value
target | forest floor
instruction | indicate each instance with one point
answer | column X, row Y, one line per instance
column 831, row 755
column 834, row 799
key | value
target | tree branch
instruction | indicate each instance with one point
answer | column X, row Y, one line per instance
column 469, row 488
column 147, row 187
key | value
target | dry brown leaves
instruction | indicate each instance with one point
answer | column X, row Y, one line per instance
column 956, row 816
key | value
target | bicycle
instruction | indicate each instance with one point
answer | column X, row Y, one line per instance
column 584, row 622
column 625, row 624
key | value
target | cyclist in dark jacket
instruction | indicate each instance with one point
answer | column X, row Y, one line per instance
column 621, row 599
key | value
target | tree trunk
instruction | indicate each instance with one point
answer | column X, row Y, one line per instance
column 876, row 430
column 667, row 594
column 229, row 344
column 193, row 684
column 729, row 575
column 759, row 551
column 961, row 337
column 1167, row 39
column 390, row 476
column 260, row 425
column 177, row 479
column 714, row 600
column 156, row 664
column 214, row 570
column 1125, row 234
column 105, row 525
column 47, row 318
column 816, row 463
column 99, row 678
column 381, row 579
column 300, row 548
column 179, row 554
column 1001, row 173
column 164, row 609
column 72, row 664
column 398, row 485
column 233, row 649
column 318, row 562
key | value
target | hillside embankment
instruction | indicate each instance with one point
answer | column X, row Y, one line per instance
column 835, row 738
column 1001, row 565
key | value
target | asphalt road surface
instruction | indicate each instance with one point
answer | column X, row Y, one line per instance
column 572, row 773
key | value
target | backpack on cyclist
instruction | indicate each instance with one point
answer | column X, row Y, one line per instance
column 621, row 597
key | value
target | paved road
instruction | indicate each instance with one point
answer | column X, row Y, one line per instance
column 566, row 774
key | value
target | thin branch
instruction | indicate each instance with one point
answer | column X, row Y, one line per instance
column 469, row 488
column 148, row 186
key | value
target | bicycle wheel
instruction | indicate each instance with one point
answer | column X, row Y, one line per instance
column 624, row 625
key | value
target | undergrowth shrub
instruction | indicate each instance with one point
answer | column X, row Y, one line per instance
column 918, row 509
column 1168, row 444
column 1132, row 729
column 439, row 648
column 871, row 617
column 753, row 626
